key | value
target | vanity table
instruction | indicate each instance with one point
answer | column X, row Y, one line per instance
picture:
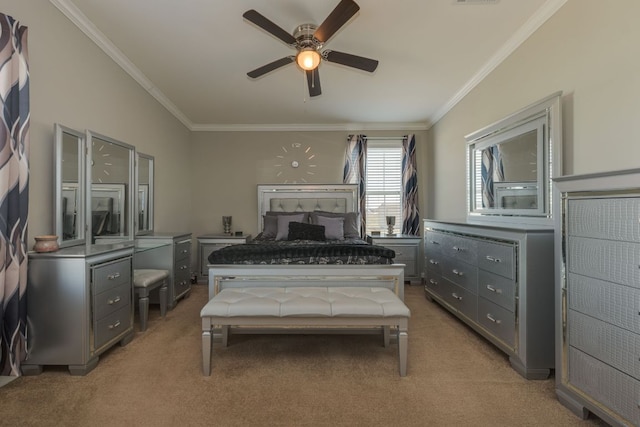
column 79, row 305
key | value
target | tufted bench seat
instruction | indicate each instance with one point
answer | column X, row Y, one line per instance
column 305, row 306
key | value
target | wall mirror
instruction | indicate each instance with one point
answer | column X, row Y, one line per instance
column 511, row 164
column 69, row 182
column 144, row 174
column 113, row 201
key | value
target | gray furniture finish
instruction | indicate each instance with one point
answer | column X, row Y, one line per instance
column 212, row 242
column 407, row 249
column 500, row 282
column 598, row 295
column 173, row 253
column 79, row 305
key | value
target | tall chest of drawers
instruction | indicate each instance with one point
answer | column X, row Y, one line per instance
column 500, row 282
column 79, row 305
column 598, row 295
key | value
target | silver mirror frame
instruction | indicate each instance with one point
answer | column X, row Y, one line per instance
column 550, row 161
column 131, row 192
column 58, row 226
column 149, row 193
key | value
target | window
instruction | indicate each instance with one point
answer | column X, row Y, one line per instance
column 383, row 184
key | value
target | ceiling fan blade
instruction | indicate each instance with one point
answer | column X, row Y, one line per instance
column 313, row 81
column 350, row 60
column 271, row 66
column 264, row 23
column 336, row 19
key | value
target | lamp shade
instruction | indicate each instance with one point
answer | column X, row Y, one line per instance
column 308, row 59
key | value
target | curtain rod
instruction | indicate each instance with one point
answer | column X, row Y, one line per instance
column 385, row 137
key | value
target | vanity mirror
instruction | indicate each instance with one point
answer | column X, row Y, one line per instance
column 69, row 185
column 144, row 173
column 110, row 172
column 511, row 163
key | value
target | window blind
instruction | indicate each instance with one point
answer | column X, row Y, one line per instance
column 384, row 184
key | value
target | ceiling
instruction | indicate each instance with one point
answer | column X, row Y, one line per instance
column 193, row 56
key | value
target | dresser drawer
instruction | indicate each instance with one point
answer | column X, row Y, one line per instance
column 462, row 300
column 612, row 303
column 461, row 273
column 182, row 283
column 612, row 345
column 499, row 322
column 110, row 275
column 183, row 250
column 497, row 258
column 605, row 259
column 111, row 326
column 434, row 242
column 461, row 248
column 111, row 300
column 497, row 289
column 606, row 385
column 621, row 213
column 435, row 284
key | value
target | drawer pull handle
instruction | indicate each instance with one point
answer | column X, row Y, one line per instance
column 184, row 251
column 433, row 242
column 458, row 249
column 493, row 319
column 492, row 289
column 114, row 301
column 115, row 325
column 433, row 282
column 492, row 259
column 457, row 273
column 434, row 262
column 456, row 296
column 113, row 276
column 183, row 267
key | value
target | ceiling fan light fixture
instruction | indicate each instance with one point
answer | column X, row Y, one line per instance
column 308, row 59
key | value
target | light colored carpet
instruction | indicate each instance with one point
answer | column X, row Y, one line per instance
column 454, row 378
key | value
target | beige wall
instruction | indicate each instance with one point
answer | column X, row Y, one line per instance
column 226, row 168
column 75, row 84
column 588, row 50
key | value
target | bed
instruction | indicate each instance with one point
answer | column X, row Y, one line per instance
column 274, row 260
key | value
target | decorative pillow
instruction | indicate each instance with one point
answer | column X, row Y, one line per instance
column 333, row 227
column 283, row 224
column 351, row 222
column 270, row 222
column 302, row 231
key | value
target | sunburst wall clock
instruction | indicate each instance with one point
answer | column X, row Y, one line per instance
column 295, row 163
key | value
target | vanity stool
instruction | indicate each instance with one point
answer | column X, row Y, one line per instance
column 145, row 281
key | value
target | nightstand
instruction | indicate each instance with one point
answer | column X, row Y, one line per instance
column 212, row 242
column 407, row 250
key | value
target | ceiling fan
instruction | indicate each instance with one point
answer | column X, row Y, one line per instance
column 308, row 40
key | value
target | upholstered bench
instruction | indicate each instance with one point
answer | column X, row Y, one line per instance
column 305, row 306
column 145, row 281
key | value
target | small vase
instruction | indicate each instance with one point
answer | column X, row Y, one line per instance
column 47, row 243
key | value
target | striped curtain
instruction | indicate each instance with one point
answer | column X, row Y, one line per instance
column 14, row 193
column 410, row 212
column 355, row 168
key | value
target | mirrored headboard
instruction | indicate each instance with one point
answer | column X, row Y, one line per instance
column 510, row 165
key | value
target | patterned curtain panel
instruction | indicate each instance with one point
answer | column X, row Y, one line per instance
column 14, row 192
column 355, row 168
column 410, row 212
column 492, row 171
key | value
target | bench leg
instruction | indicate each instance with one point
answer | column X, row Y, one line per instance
column 403, row 341
column 225, row 335
column 385, row 335
column 144, row 312
column 163, row 300
column 206, row 352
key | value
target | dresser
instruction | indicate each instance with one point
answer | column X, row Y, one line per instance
column 208, row 243
column 407, row 249
column 172, row 252
column 79, row 305
column 499, row 281
column 598, row 295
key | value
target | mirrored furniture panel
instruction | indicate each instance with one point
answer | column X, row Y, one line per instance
column 145, row 175
column 113, row 201
column 69, row 185
column 511, row 163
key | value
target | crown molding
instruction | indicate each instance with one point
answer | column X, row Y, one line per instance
column 324, row 127
column 531, row 26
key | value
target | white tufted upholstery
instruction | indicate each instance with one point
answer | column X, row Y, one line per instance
column 306, row 302
column 305, row 306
